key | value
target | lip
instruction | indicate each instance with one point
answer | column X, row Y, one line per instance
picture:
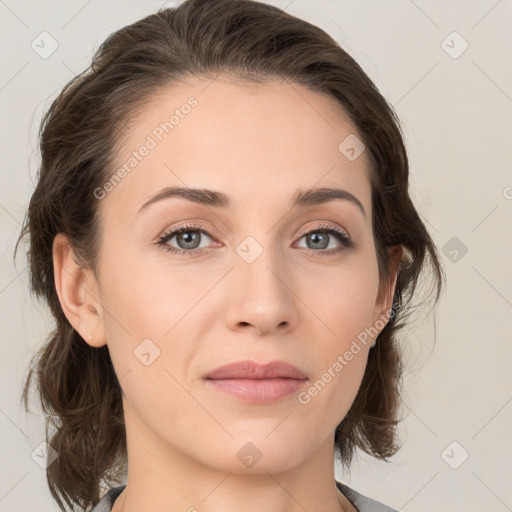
column 250, row 370
column 257, row 383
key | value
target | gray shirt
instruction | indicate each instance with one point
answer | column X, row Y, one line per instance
column 362, row 503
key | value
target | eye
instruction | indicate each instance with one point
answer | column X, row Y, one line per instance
column 319, row 238
column 187, row 236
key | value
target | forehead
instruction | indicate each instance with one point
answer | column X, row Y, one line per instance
column 251, row 140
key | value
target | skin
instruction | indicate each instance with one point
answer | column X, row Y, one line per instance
column 258, row 144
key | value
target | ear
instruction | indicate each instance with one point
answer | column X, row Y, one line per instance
column 387, row 290
column 78, row 293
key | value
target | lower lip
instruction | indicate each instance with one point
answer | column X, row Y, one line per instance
column 258, row 391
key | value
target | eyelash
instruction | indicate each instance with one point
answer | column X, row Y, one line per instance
column 342, row 237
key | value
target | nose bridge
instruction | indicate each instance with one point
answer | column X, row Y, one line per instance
column 263, row 297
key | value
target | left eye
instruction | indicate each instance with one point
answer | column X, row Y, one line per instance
column 320, row 238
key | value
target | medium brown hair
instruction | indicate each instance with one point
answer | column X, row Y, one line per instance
column 79, row 136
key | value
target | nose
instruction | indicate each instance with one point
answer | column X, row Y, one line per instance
column 262, row 298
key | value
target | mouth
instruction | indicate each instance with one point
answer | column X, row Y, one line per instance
column 257, row 383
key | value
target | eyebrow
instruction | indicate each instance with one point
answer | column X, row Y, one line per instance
column 301, row 198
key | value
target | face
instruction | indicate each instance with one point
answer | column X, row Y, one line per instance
column 259, row 280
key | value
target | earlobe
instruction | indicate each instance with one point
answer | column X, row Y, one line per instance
column 78, row 293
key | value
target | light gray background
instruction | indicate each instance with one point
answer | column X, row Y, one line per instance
column 456, row 114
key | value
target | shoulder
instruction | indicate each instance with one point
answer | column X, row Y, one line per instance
column 362, row 503
column 106, row 503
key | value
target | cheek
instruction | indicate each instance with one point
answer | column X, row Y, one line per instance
column 346, row 307
column 145, row 315
column 146, row 297
column 345, row 301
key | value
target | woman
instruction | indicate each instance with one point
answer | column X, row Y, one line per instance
column 223, row 231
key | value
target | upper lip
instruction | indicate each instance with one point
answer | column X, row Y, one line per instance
column 251, row 370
